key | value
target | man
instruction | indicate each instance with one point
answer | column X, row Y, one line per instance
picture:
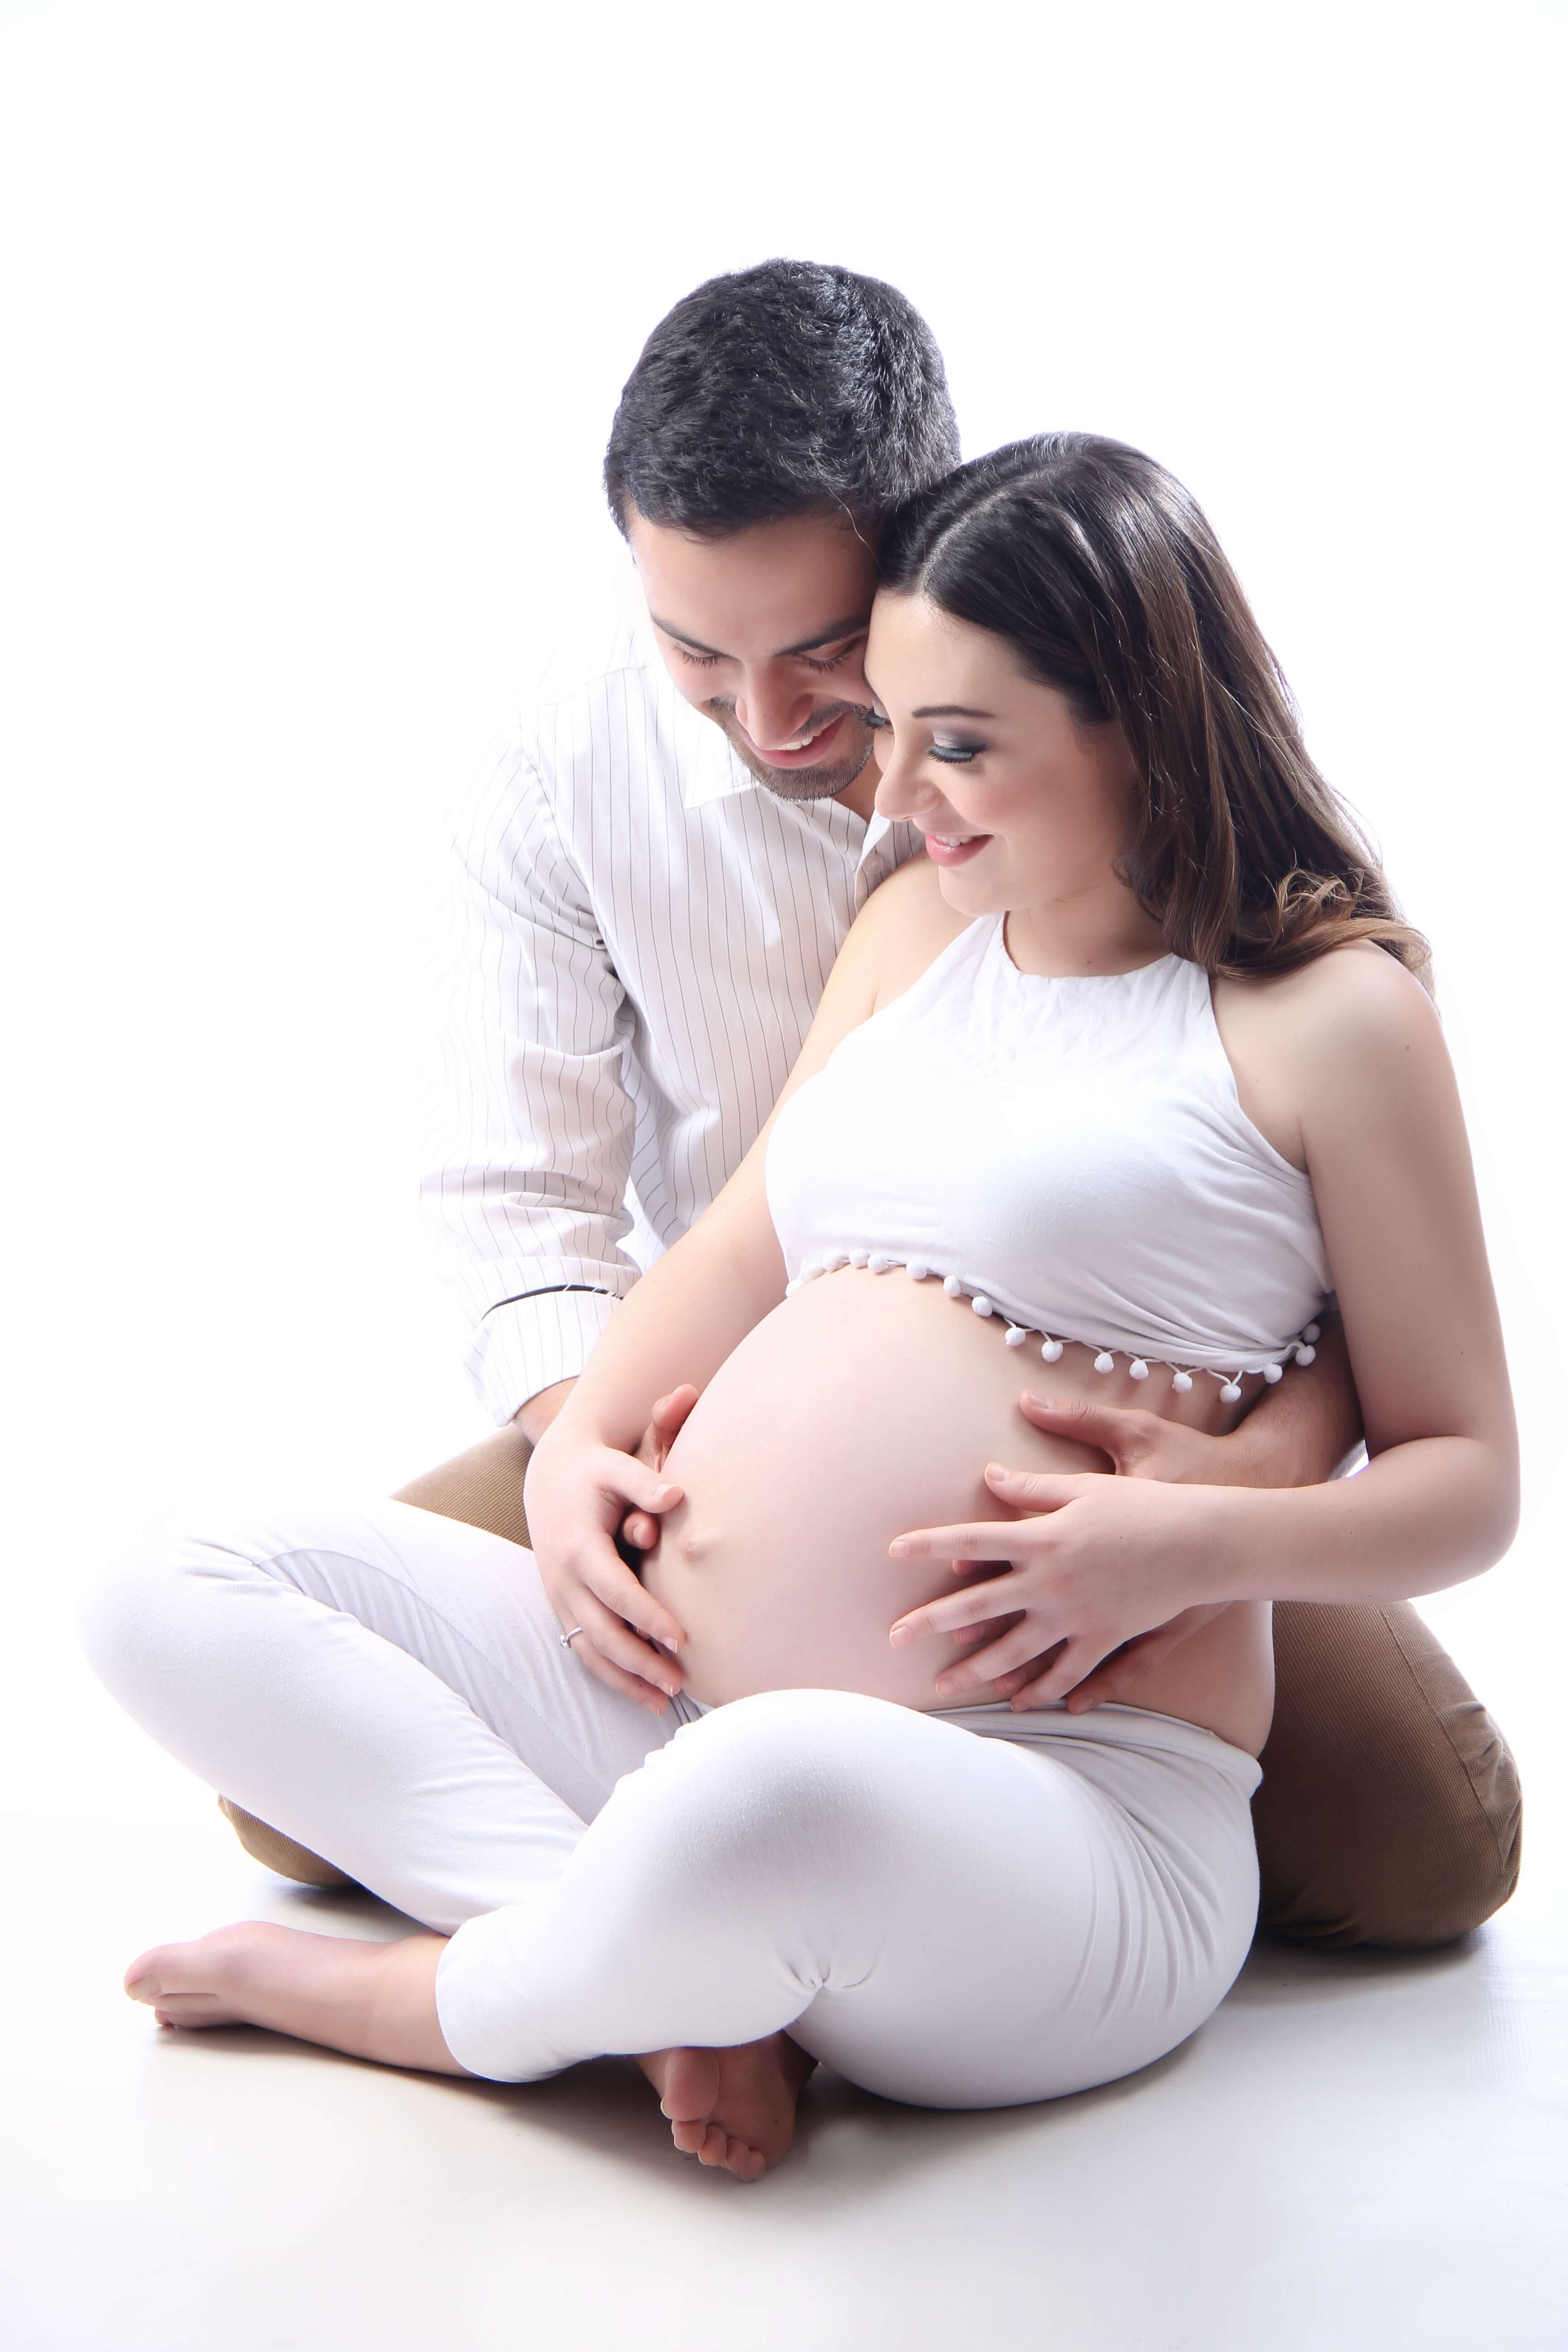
column 655, row 882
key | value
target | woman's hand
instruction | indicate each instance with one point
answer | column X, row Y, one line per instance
column 1142, row 1444
column 1100, row 1562
column 578, row 1493
column 640, row 1530
column 1121, row 1675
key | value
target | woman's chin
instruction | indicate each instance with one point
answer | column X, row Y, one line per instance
column 969, row 891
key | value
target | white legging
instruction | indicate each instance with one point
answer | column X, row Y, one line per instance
column 947, row 1918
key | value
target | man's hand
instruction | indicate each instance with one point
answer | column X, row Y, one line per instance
column 1298, row 1432
column 1141, row 1444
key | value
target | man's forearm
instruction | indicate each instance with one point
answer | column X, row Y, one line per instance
column 535, row 1417
column 1302, row 1429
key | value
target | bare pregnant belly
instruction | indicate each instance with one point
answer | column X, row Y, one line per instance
column 863, row 1407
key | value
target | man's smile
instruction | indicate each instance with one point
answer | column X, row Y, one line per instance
column 810, row 743
column 831, row 750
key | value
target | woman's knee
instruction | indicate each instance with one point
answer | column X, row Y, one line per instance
column 149, row 1624
column 785, row 1778
column 126, row 1622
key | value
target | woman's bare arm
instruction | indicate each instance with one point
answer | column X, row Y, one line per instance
column 686, row 1314
column 1383, row 1138
column 1369, row 1105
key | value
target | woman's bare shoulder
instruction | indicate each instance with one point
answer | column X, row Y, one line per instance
column 1336, row 1036
column 1353, row 998
column 904, row 926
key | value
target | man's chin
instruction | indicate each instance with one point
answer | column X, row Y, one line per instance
column 823, row 782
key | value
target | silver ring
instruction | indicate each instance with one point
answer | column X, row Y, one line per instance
column 567, row 1640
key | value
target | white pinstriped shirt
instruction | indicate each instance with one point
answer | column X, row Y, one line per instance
column 643, row 935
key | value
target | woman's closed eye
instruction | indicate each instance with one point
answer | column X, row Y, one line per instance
column 950, row 755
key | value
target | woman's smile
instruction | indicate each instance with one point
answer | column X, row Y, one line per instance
column 1025, row 805
column 954, row 848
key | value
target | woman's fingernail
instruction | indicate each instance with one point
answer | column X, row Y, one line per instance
column 997, row 1470
column 899, row 1635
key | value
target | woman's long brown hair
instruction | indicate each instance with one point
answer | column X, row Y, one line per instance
column 1102, row 573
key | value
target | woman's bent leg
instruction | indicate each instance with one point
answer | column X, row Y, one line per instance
column 385, row 1685
column 947, row 1919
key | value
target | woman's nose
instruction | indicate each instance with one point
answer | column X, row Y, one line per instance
column 902, row 792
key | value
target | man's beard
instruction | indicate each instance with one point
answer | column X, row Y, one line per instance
column 822, row 781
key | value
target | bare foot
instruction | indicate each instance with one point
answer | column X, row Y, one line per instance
column 373, row 2000
column 732, row 2107
column 202, row 1983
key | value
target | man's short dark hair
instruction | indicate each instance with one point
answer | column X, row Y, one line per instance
column 791, row 388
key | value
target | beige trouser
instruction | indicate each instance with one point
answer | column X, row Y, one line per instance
column 1390, row 1807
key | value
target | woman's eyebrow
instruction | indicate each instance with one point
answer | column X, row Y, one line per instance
column 949, row 710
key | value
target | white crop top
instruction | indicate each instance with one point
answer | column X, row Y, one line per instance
column 1071, row 1154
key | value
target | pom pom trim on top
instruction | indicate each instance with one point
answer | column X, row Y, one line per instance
column 1300, row 1350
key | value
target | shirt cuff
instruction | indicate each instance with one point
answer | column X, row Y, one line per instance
column 531, row 1343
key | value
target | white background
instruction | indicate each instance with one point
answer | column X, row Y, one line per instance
column 313, row 319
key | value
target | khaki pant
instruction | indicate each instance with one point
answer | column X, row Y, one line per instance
column 1390, row 1807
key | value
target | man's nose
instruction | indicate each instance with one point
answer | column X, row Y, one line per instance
column 773, row 709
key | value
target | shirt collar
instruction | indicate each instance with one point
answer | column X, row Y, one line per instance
column 877, row 832
column 715, row 773
column 721, row 775
column 715, row 770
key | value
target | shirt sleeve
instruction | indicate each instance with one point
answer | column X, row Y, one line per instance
column 537, row 1128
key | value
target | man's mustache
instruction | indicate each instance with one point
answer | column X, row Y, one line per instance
column 812, row 726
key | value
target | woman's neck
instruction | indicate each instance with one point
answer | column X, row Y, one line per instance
column 1091, row 933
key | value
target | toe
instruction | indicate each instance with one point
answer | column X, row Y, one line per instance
column 690, row 2086
column 144, row 1976
column 193, row 2009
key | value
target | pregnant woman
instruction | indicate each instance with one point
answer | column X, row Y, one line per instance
column 1132, row 1077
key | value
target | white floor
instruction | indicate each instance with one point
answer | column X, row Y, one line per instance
column 1358, row 2151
